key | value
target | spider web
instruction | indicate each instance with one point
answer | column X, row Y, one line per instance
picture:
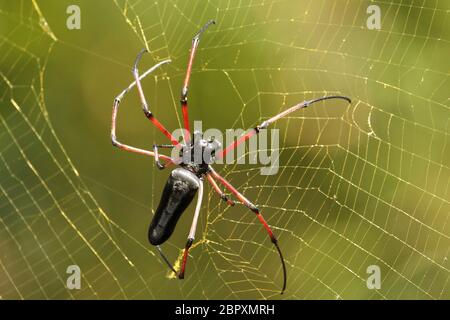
column 359, row 185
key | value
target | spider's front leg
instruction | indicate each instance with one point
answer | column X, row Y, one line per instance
column 115, row 111
column 184, row 90
column 268, row 122
column 261, row 219
column 145, row 107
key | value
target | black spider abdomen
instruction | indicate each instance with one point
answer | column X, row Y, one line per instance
column 178, row 193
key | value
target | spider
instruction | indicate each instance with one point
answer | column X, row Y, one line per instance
column 186, row 180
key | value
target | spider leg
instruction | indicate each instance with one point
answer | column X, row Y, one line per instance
column 222, row 195
column 184, row 90
column 115, row 111
column 266, row 123
column 191, row 235
column 261, row 219
column 163, row 256
column 147, row 112
column 156, row 152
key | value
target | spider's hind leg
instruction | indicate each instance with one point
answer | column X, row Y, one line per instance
column 258, row 214
column 216, row 188
column 163, row 256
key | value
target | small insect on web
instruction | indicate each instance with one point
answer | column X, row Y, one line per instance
column 185, row 181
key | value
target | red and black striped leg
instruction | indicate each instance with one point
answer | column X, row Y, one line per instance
column 266, row 123
column 222, row 195
column 261, row 219
column 115, row 111
column 185, row 257
column 147, row 112
column 184, row 90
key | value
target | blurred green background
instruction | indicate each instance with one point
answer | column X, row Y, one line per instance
column 359, row 185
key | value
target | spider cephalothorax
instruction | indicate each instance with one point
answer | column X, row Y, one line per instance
column 194, row 161
column 197, row 155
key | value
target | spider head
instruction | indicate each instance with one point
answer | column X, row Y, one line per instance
column 209, row 151
column 201, row 152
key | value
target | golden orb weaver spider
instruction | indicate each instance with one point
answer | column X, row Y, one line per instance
column 185, row 181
